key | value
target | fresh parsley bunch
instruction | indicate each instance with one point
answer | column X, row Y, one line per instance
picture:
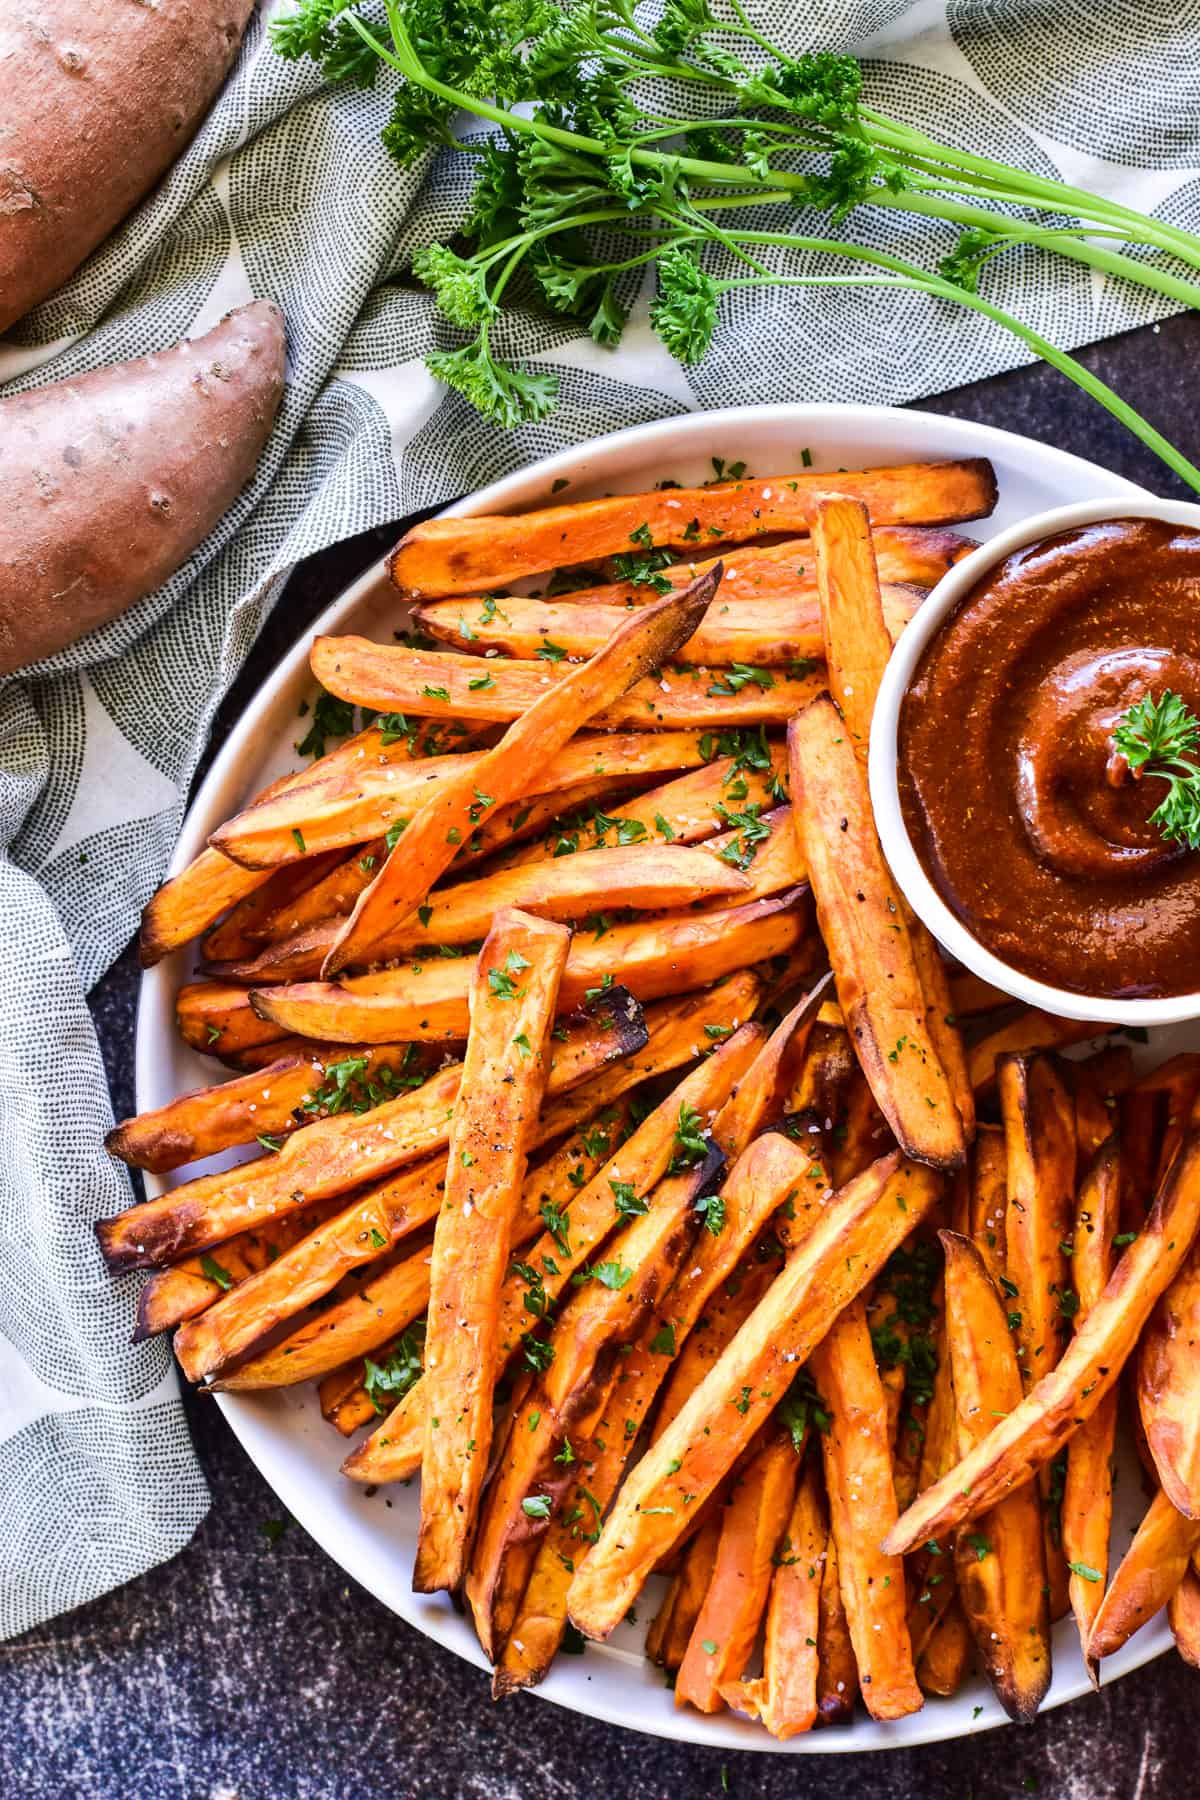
column 587, row 179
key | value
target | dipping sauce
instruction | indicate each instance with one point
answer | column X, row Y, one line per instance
column 1028, row 825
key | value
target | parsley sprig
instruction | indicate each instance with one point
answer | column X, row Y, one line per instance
column 620, row 144
column 1161, row 737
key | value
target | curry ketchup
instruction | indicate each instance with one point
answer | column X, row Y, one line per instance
column 1025, row 818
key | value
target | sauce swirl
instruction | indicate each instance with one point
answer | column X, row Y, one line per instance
column 1026, row 820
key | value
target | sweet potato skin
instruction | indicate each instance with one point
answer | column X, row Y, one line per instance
column 134, row 90
column 109, row 482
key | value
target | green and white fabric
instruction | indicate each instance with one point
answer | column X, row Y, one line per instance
column 287, row 193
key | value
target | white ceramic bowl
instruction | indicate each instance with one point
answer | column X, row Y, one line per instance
column 905, row 864
column 373, row 1538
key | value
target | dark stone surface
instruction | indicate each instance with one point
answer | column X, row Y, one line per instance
column 256, row 1670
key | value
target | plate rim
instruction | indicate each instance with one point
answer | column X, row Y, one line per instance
column 245, row 1413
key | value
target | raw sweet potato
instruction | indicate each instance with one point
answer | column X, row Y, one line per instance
column 110, row 480
column 475, row 555
column 134, row 88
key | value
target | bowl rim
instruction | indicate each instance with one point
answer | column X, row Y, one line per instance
column 883, row 760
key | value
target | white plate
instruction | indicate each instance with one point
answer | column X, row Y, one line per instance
column 284, row 1434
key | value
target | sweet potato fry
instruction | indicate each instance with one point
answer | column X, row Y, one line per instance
column 355, row 1325
column 441, row 684
column 753, row 1523
column 514, row 996
column 464, row 556
column 554, row 715
column 857, row 646
column 217, row 1018
column 388, row 1300
column 1069, row 1394
column 1021, row 1036
column 947, row 1654
column 273, row 1102
column 1142, row 1118
column 1150, row 1571
column 335, row 896
column 971, row 995
column 683, row 811
column 724, row 1313
column 619, row 1189
column 190, row 901
column 350, row 805
column 306, row 1270
column 784, row 1697
column 1168, row 1387
column 748, row 1197
column 1088, row 1492
column 1039, row 1143
column 757, row 580
column 642, row 877
column 1000, row 1562
column 331, row 897
column 240, row 931
column 855, row 641
column 1183, row 1616
column 336, row 1154
column 675, row 954
column 862, row 1507
column 379, row 1217
column 988, row 1207
column 187, row 1289
column 858, row 909
column 756, row 633
column 837, row 1671
column 1040, row 1146
column 853, row 1236
column 688, row 1589
column 607, row 1310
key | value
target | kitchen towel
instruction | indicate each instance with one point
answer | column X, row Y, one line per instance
column 286, row 192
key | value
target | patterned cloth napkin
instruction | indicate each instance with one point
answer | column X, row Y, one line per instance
column 287, row 193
